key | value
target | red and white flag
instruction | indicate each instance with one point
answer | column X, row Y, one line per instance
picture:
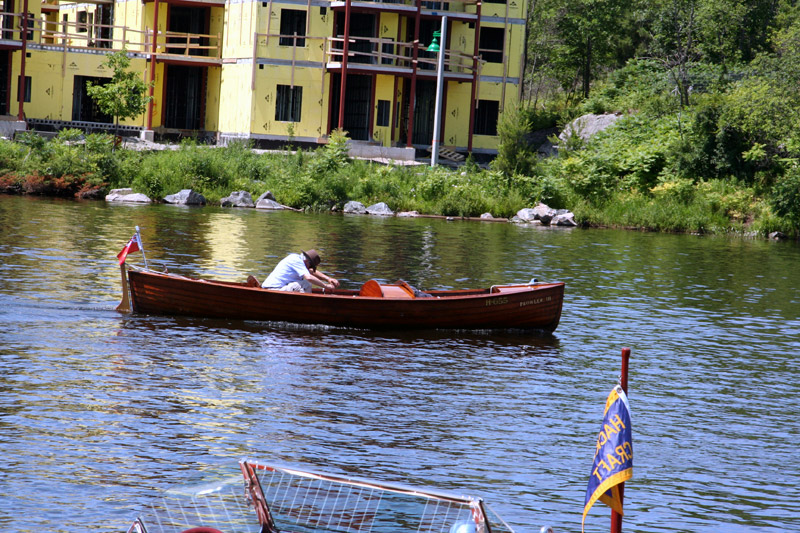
column 134, row 245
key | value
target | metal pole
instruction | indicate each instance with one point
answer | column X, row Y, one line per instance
column 345, row 52
column 22, row 85
column 151, row 87
column 616, row 518
column 439, row 86
column 475, row 80
column 412, row 97
column 141, row 245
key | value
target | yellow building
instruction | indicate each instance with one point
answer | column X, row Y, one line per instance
column 271, row 71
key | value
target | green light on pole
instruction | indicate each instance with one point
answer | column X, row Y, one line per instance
column 434, row 46
column 438, row 37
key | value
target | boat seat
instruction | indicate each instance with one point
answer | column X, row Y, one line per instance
column 507, row 288
column 375, row 290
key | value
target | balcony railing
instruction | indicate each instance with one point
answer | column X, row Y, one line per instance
column 451, row 6
column 94, row 36
column 388, row 52
column 11, row 26
column 188, row 45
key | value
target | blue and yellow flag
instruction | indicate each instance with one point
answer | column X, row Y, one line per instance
column 613, row 457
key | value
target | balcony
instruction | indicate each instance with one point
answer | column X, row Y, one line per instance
column 11, row 30
column 457, row 9
column 387, row 56
column 170, row 46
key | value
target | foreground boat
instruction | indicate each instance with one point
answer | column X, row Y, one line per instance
column 529, row 306
column 278, row 499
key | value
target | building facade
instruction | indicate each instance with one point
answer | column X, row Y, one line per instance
column 271, row 70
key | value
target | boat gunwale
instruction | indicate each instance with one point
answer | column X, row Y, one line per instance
column 348, row 294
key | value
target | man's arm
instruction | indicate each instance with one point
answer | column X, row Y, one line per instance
column 321, row 279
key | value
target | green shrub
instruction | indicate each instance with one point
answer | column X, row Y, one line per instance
column 463, row 201
column 785, row 198
column 514, row 153
column 11, row 155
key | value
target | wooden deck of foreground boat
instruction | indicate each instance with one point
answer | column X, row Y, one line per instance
column 533, row 306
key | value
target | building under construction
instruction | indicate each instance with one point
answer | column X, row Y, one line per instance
column 271, row 71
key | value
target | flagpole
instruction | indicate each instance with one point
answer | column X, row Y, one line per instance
column 616, row 518
column 141, row 245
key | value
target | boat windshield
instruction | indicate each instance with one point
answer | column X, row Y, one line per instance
column 290, row 500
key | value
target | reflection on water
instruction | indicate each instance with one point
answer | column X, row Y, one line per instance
column 99, row 410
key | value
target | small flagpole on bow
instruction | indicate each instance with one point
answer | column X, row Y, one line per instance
column 616, row 518
column 141, row 246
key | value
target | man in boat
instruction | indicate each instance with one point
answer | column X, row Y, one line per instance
column 297, row 272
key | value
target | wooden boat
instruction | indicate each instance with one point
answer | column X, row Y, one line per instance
column 398, row 306
column 282, row 499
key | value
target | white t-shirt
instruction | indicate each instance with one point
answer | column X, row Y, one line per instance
column 291, row 268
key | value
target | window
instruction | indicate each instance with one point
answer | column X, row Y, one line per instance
column 491, row 44
column 486, row 117
column 82, row 18
column 27, row 88
column 83, row 107
column 384, row 106
column 288, row 103
column 292, row 21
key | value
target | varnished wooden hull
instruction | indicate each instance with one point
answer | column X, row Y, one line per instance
column 536, row 306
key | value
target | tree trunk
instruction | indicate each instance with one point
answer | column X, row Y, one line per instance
column 587, row 67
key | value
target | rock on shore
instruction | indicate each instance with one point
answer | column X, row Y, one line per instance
column 128, row 196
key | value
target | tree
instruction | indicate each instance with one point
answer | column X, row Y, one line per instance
column 125, row 96
column 593, row 33
column 514, row 154
column 673, row 31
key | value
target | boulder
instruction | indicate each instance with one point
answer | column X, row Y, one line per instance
column 355, row 207
column 267, row 195
column 541, row 213
column 517, row 220
column 408, row 214
column 114, row 194
column 238, row 199
column 525, row 215
column 544, row 213
column 540, row 140
column 587, row 125
column 185, row 197
column 564, row 219
column 266, row 203
column 127, row 195
column 487, row 215
column 380, row 209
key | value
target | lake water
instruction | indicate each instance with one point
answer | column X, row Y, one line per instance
column 101, row 410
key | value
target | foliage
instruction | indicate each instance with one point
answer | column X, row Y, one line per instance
column 332, row 156
column 11, row 155
column 785, row 198
column 707, row 139
column 514, row 153
column 124, row 97
column 572, row 42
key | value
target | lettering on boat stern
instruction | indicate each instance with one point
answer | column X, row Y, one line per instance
column 504, row 300
column 536, row 301
column 497, row 301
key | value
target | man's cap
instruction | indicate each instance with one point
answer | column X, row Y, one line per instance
column 313, row 257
